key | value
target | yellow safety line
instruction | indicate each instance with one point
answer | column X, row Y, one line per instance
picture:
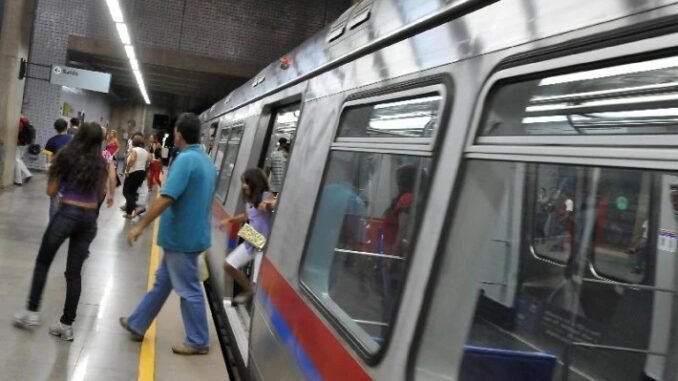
column 147, row 354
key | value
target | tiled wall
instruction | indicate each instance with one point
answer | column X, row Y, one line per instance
column 247, row 31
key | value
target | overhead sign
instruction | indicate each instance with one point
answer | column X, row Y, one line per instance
column 80, row 79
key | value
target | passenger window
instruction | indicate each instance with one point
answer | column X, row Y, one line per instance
column 284, row 128
column 362, row 237
column 581, row 317
column 404, row 118
column 634, row 98
column 231, row 147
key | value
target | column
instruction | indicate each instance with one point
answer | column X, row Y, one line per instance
column 15, row 35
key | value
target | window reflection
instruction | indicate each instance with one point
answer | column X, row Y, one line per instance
column 361, row 238
column 414, row 118
column 635, row 98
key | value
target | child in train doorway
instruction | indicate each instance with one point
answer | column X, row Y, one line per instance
column 154, row 171
column 259, row 206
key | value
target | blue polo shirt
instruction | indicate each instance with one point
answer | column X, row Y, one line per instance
column 185, row 225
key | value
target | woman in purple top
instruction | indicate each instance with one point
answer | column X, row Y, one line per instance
column 82, row 174
column 259, row 205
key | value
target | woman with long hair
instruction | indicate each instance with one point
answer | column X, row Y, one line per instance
column 112, row 143
column 259, row 203
column 81, row 174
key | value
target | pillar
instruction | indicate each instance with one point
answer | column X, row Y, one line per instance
column 15, row 35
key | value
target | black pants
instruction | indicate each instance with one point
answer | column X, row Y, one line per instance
column 79, row 225
column 131, row 187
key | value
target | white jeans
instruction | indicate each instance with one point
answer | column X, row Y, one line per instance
column 20, row 170
column 240, row 257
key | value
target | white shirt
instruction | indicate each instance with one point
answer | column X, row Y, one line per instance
column 140, row 162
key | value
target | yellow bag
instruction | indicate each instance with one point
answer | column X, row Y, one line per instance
column 252, row 236
column 202, row 263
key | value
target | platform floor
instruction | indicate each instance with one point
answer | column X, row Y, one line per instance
column 115, row 278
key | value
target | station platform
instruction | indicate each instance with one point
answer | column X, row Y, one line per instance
column 114, row 279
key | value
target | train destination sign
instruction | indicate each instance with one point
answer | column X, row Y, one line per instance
column 79, row 78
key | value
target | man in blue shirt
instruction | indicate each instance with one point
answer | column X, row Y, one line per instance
column 53, row 146
column 185, row 216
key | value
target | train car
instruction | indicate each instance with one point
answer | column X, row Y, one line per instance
column 476, row 190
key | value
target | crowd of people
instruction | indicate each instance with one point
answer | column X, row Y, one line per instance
column 85, row 166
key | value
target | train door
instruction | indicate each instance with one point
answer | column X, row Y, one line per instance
column 277, row 147
column 225, row 156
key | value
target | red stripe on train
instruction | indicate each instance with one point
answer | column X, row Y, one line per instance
column 328, row 355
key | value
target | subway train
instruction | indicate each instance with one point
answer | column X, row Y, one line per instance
column 476, row 190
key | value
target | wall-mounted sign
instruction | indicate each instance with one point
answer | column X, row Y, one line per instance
column 80, row 79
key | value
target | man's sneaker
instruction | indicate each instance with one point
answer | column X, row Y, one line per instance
column 62, row 331
column 189, row 351
column 27, row 319
column 136, row 336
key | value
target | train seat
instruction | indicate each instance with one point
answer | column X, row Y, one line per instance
column 491, row 364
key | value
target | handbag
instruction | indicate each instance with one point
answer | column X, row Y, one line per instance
column 202, row 263
column 252, row 236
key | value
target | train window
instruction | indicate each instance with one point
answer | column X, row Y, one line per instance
column 283, row 133
column 230, row 153
column 361, row 238
column 563, row 319
column 633, row 98
column 403, row 118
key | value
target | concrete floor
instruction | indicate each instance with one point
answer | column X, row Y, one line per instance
column 114, row 280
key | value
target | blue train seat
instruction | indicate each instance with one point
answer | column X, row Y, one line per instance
column 491, row 364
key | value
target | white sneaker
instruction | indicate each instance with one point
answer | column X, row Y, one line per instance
column 26, row 319
column 62, row 331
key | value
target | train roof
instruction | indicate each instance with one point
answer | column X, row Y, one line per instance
column 371, row 25
column 367, row 24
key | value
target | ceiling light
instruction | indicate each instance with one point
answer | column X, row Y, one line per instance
column 129, row 49
column 116, row 11
column 135, row 64
column 123, row 33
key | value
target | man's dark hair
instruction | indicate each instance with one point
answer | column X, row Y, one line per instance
column 60, row 125
column 188, row 126
column 75, row 122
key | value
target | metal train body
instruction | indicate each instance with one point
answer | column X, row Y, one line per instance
column 480, row 268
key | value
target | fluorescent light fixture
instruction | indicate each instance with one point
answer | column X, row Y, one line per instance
column 638, row 67
column 123, row 33
column 116, row 11
column 134, row 64
column 129, row 49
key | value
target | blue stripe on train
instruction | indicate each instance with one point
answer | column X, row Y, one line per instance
column 307, row 368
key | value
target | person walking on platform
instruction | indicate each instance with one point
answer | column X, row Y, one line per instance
column 25, row 138
column 154, row 171
column 75, row 126
column 184, row 208
column 82, row 175
column 137, row 163
column 52, row 147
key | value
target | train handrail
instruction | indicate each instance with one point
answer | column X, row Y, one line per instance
column 616, row 348
column 368, row 254
column 633, row 286
column 540, row 258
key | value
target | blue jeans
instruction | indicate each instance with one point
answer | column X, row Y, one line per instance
column 79, row 226
column 181, row 272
